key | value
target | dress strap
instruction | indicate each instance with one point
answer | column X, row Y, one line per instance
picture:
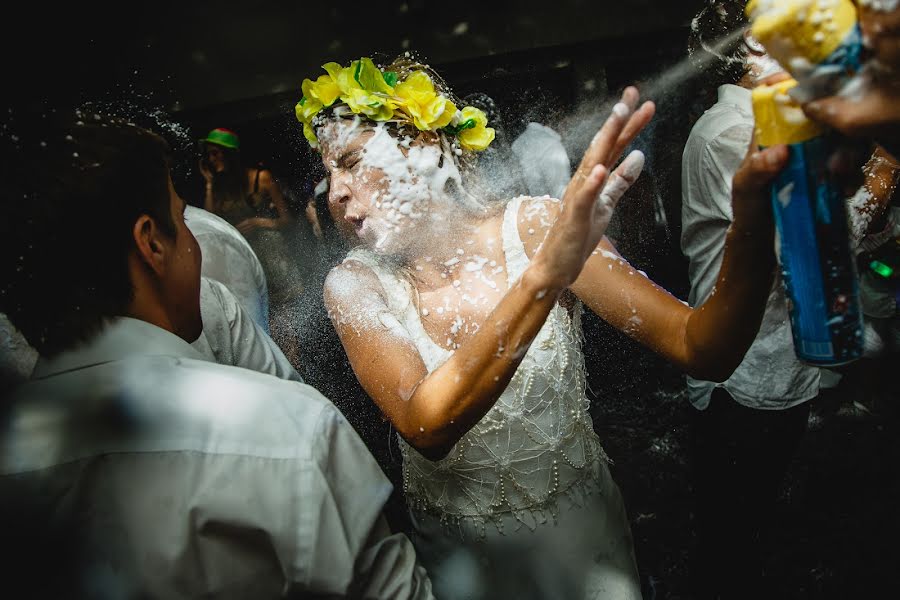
column 516, row 258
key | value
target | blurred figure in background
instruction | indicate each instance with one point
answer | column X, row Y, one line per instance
column 499, row 170
column 249, row 198
column 543, row 161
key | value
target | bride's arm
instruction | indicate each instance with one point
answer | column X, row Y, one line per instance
column 433, row 411
column 708, row 342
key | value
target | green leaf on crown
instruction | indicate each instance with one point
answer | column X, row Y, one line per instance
column 455, row 129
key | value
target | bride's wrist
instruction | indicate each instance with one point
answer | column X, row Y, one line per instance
column 544, row 281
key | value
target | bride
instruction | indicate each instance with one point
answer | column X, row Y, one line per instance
column 461, row 319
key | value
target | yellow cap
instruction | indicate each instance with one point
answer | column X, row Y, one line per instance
column 807, row 29
column 780, row 120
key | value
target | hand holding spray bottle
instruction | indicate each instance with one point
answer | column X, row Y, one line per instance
column 819, row 43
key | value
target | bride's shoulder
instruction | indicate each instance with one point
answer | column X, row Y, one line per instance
column 536, row 214
column 352, row 280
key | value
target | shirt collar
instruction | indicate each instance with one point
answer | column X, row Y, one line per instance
column 120, row 338
column 736, row 95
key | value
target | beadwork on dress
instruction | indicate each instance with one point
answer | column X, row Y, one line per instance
column 536, row 443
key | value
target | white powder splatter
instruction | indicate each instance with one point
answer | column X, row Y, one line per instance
column 618, row 184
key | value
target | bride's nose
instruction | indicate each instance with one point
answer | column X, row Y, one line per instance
column 338, row 193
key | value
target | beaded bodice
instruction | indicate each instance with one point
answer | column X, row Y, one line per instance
column 536, row 442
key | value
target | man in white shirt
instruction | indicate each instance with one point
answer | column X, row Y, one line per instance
column 133, row 466
column 229, row 259
column 229, row 337
column 746, row 429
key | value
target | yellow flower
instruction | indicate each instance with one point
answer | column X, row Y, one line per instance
column 376, row 107
column 428, row 110
column 307, row 108
column 474, row 134
column 324, row 89
column 362, row 88
column 370, row 77
column 310, row 134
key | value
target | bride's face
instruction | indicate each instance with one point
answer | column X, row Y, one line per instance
column 382, row 187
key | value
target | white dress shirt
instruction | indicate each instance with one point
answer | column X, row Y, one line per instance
column 229, row 259
column 174, row 477
column 770, row 376
column 544, row 161
column 231, row 337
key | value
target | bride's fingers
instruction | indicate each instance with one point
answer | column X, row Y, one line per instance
column 630, row 97
column 587, row 194
column 604, row 140
column 622, row 179
column 631, row 130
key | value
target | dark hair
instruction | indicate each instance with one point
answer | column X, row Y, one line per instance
column 714, row 45
column 76, row 187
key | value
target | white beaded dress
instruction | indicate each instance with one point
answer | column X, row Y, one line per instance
column 523, row 506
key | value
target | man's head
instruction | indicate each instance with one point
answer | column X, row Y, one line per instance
column 717, row 41
column 92, row 229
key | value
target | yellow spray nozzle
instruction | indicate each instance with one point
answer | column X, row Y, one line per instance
column 809, row 30
column 779, row 119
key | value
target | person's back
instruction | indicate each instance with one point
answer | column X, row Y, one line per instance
column 181, row 478
column 132, row 465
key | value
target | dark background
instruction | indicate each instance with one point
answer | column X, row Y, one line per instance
column 239, row 65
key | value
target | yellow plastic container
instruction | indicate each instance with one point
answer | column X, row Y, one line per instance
column 779, row 119
column 801, row 30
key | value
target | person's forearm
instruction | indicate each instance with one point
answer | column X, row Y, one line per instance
column 452, row 399
column 882, row 174
column 719, row 332
column 266, row 223
column 208, row 203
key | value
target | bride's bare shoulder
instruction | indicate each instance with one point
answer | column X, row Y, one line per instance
column 536, row 216
column 350, row 282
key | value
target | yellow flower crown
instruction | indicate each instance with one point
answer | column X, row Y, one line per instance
column 375, row 94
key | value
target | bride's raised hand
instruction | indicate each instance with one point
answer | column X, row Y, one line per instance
column 593, row 192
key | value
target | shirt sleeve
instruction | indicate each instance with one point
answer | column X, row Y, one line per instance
column 226, row 261
column 350, row 549
column 233, row 337
column 708, row 204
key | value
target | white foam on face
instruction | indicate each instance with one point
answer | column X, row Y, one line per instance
column 412, row 180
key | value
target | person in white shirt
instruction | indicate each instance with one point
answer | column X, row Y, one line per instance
column 133, row 466
column 748, row 427
column 229, row 337
column 545, row 163
column 229, row 259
